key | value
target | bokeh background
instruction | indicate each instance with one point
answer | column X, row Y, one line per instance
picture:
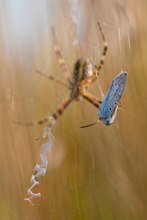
column 94, row 173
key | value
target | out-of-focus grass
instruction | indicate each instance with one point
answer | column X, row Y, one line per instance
column 94, row 173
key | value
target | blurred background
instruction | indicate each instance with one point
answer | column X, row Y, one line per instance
column 93, row 173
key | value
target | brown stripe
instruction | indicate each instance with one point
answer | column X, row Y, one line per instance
column 55, row 116
column 91, row 101
column 61, row 108
column 98, row 67
column 59, row 55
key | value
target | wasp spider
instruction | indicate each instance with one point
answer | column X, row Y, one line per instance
column 77, row 83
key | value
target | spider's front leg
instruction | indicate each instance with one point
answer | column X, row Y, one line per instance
column 90, row 79
column 60, row 57
column 105, row 48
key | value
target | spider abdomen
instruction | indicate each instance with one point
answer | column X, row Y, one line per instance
column 82, row 69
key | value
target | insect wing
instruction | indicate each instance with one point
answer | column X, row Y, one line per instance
column 108, row 108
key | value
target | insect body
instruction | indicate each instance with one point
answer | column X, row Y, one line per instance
column 108, row 109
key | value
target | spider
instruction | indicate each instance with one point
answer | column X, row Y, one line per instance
column 81, row 79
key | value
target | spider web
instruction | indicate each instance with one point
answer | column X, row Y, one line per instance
column 105, row 168
column 40, row 169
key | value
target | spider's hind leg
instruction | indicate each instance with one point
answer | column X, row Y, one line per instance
column 50, row 119
column 34, row 123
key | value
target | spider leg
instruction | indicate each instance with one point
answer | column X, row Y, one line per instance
column 91, row 98
column 101, row 63
column 53, row 79
column 50, row 119
column 61, row 108
column 98, row 67
column 59, row 56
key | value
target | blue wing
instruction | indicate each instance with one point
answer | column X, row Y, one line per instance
column 109, row 105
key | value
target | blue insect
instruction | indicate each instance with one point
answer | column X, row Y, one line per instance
column 108, row 109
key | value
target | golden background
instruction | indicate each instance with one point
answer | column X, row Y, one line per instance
column 94, row 173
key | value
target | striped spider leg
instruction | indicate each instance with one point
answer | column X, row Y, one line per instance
column 77, row 83
column 98, row 67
